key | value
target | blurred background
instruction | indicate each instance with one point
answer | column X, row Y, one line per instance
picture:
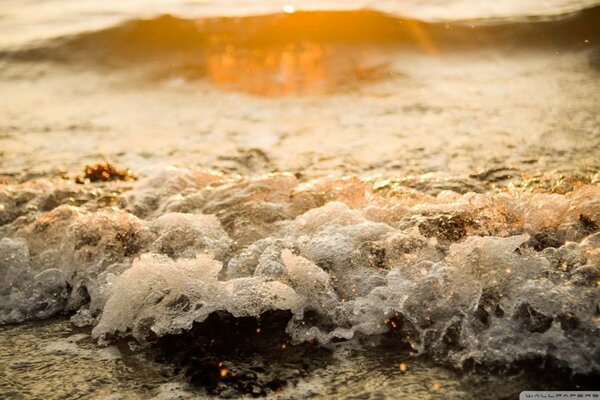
column 445, row 88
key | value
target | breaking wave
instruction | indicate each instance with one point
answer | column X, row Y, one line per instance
column 492, row 278
column 169, row 35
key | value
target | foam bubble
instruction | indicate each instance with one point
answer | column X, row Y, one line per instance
column 159, row 296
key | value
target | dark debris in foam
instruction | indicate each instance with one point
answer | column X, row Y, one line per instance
column 550, row 238
column 231, row 357
column 451, row 228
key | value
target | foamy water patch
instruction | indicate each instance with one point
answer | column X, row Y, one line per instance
column 490, row 278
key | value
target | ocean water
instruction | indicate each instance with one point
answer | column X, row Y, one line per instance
column 27, row 20
column 319, row 200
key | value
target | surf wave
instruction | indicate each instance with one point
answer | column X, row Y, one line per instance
column 147, row 38
column 470, row 278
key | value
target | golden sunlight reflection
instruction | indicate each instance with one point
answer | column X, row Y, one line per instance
column 421, row 37
column 306, row 68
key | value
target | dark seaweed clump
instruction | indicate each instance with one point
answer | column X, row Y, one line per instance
column 104, row 173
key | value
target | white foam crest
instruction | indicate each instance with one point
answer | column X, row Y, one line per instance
column 159, row 296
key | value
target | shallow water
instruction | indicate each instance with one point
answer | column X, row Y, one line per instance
column 54, row 360
column 395, row 98
column 51, row 359
column 392, row 202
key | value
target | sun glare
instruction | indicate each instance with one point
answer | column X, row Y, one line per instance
column 289, row 9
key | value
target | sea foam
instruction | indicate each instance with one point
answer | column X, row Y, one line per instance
column 485, row 278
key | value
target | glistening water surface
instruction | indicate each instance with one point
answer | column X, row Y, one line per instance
column 323, row 201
